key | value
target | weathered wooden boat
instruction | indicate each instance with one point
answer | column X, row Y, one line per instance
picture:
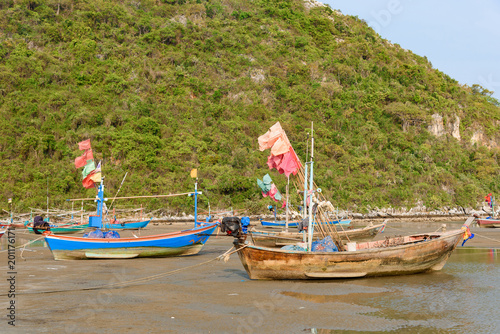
column 282, row 223
column 488, row 222
column 186, row 242
column 283, row 238
column 393, row 256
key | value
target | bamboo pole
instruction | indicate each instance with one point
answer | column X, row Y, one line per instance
column 131, row 197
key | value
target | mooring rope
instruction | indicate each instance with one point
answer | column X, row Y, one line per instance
column 482, row 236
column 23, row 245
column 224, row 257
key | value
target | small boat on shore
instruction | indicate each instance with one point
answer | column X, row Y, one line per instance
column 60, row 228
column 488, row 222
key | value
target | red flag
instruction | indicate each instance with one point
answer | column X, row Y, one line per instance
column 84, row 145
column 81, row 161
column 87, row 181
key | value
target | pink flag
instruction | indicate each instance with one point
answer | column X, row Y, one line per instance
column 268, row 139
column 84, row 145
column 89, row 154
column 81, row 161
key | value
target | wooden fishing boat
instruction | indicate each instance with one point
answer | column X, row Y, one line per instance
column 394, row 256
column 488, row 222
column 282, row 223
column 186, row 242
column 283, row 238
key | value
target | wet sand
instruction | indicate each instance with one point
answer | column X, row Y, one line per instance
column 194, row 294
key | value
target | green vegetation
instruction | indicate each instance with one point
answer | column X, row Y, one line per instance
column 164, row 86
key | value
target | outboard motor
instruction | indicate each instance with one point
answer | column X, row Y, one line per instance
column 231, row 225
column 235, row 226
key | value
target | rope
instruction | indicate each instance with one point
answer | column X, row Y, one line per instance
column 224, row 257
column 29, row 242
column 482, row 236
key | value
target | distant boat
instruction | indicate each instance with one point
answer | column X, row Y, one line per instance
column 127, row 225
column 488, row 222
column 61, row 228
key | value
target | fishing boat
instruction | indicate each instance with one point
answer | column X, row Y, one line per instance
column 127, row 225
column 284, row 238
column 488, row 222
column 491, row 221
column 311, row 260
column 394, row 256
column 61, row 228
column 187, row 242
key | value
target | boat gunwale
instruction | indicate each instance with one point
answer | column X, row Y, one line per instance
column 129, row 239
column 440, row 236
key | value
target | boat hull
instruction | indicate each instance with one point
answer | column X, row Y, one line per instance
column 489, row 223
column 370, row 259
column 280, row 239
column 187, row 242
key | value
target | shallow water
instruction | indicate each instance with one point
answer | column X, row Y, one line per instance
column 463, row 297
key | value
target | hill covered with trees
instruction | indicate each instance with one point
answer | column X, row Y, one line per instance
column 164, row 86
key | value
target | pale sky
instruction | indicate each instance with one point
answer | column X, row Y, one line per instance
column 460, row 38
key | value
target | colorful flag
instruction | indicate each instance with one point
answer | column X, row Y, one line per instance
column 89, row 167
column 88, row 182
column 282, row 157
column 84, row 145
column 467, row 234
column 382, row 229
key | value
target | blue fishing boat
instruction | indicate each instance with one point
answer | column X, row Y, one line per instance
column 186, row 242
column 111, row 246
column 127, row 225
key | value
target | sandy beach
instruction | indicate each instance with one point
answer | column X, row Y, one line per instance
column 196, row 294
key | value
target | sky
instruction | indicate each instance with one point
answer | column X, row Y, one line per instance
column 460, row 38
